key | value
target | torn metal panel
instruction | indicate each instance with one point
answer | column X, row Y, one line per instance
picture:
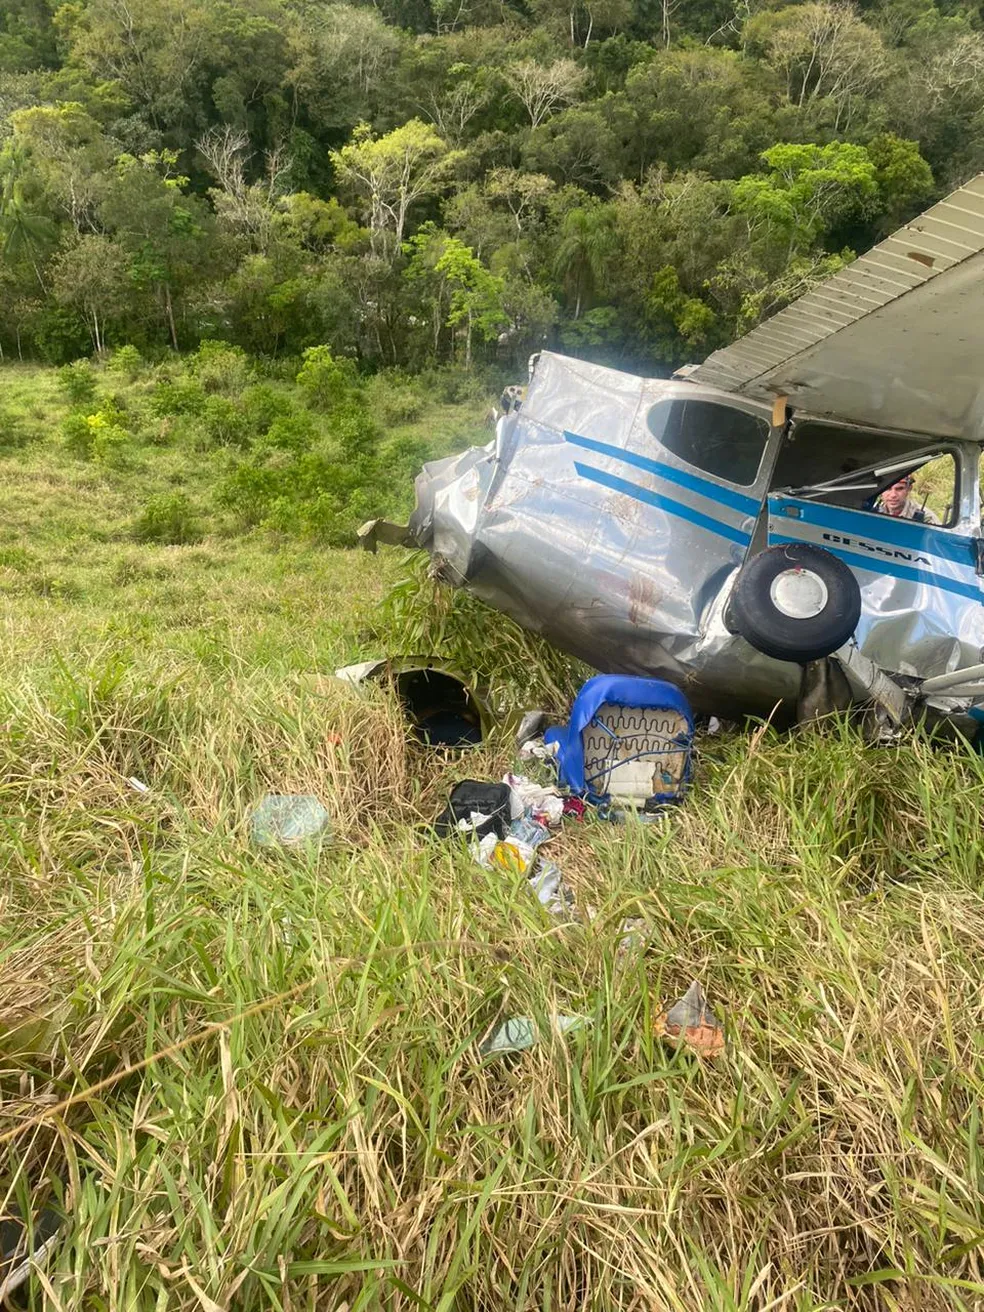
column 868, row 683
column 381, row 530
column 896, row 339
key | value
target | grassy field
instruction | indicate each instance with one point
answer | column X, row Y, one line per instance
column 251, row 1080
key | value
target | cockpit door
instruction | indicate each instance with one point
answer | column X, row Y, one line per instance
column 682, row 489
column 920, row 582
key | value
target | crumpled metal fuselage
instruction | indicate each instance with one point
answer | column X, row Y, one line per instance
column 579, row 524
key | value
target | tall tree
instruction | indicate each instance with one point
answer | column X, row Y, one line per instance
column 92, row 276
column 542, row 88
column 823, row 51
column 806, row 192
column 184, row 63
column 25, row 233
column 167, row 234
column 585, row 248
column 390, row 174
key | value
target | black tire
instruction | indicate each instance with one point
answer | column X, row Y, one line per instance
column 753, row 613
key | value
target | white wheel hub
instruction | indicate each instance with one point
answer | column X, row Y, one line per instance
column 798, row 593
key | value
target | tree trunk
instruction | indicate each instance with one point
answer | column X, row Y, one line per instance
column 37, row 274
column 169, row 311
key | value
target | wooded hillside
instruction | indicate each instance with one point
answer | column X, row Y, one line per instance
column 424, row 181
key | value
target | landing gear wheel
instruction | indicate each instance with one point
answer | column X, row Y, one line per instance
column 795, row 602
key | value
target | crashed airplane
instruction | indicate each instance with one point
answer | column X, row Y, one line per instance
column 724, row 529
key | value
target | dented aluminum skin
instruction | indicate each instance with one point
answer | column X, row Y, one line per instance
column 582, row 526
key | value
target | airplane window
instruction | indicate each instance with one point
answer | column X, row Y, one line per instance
column 934, row 489
column 716, row 438
column 926, row 495
column 824, row 453
column 817, row 453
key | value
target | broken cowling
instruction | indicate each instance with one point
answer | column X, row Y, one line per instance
column 442, row 708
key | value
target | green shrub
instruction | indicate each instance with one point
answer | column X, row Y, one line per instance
column 168, row 518
column 77, row 434
column 318, row 479
column 60, row 334
column 110, row 441
column 159, row 431
column 249, row 491
column 453, row 384
column 282, row 369
column 100, row 436
column 353, row 429
column 403, row 458
column 220, row 367
column 184, row 397
column 325, row 381
column 125, row 360
column 313, row 493
column 222, row 423
column 263, row 405
column 295, row 433
column 77, row 382
column 395, row 399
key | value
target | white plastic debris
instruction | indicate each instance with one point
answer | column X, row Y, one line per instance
column 547, row 882
column 289, row 820
column 521, row 1032
column 482, row 850
column 356, row 674
column 537, row 750
column 525, row 795
column 475, row 821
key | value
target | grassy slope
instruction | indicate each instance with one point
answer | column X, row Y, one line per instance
column 316, row 1130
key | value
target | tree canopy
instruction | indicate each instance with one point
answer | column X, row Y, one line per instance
column 423, row 181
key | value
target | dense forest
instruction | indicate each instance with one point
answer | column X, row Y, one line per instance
column 415, row 182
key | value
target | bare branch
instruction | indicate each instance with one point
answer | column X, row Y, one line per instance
column 542, row 87
column 226, row 152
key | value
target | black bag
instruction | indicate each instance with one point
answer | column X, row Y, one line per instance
column 492, row 800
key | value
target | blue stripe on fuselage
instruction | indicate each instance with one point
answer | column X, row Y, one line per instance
column 876, row 565
column 703, row 486
column 666, row 504
column 882, row 528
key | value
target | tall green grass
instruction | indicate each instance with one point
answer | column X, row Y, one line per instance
column 290, row 1109
column 251, row 1079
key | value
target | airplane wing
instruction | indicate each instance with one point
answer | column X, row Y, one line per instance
column 894, row 340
